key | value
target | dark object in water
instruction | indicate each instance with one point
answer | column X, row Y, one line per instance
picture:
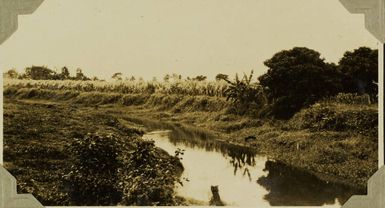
column 249, row 138
column 215, row 199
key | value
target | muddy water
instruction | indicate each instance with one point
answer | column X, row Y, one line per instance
column 244, row 177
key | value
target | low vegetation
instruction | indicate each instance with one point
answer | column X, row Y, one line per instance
column 62, row 158
column 362, row 119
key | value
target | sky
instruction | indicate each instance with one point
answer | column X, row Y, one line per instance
column 151, row 38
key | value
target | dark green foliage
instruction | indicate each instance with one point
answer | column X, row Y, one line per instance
column 297, row 78
column 361, row 70
column 245, row 95
column 103, row 175
column 219, row 77
column 117, row 76
column 39, row 73
column 328, row 117
column 93, row 179
column 65, row 74
column 200, row 78
column 44, row 73
column 150, row 176
column 80, row 75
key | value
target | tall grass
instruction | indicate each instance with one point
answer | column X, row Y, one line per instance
column 185, row 87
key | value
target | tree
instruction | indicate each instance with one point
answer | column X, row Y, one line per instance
column 166, row 78
column 297, row 78
column 132, row 78
column 117, row 76
column 65, row 74
column 39, row 73
column 176, row 77
column 221, row 77
column 80, row 75
column 11, row 74
column 200, row 78
column 361, row 70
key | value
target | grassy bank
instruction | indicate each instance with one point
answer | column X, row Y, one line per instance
column 334, row 141
column 44, row 144
column 172, row 102
column 345, row 155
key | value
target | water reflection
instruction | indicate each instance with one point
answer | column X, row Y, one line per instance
column 240, row 157
column 291, row 187
column 244, row 177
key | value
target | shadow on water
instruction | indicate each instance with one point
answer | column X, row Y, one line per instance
column 290, row 186
column 194, row 137
column 284, row 185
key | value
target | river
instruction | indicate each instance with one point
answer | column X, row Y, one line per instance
column 244, row 177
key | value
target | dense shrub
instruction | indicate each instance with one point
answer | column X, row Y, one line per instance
column 93, row 179
column 323, row 116
column 150, row 176
column 107, row 170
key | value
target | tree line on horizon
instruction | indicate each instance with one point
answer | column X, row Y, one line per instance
column 44, row 73
column 295, row 78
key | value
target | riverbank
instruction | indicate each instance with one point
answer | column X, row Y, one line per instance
column 309, row 141
column 39, row 137
column 344, row 157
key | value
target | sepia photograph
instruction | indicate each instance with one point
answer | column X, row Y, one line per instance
column 257, row 103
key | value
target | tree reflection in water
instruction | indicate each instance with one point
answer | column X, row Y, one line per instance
column 240, row 157
column 286, row 185
column 291, row 187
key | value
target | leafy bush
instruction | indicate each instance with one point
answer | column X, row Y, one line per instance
column 150, row 176
column 337, row 118
column 93, row 179
column 245, row 95
column 107, row 171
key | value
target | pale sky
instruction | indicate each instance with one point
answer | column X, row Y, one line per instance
column 150, row 38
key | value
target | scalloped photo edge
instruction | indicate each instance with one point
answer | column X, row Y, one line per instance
column 374, row 11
